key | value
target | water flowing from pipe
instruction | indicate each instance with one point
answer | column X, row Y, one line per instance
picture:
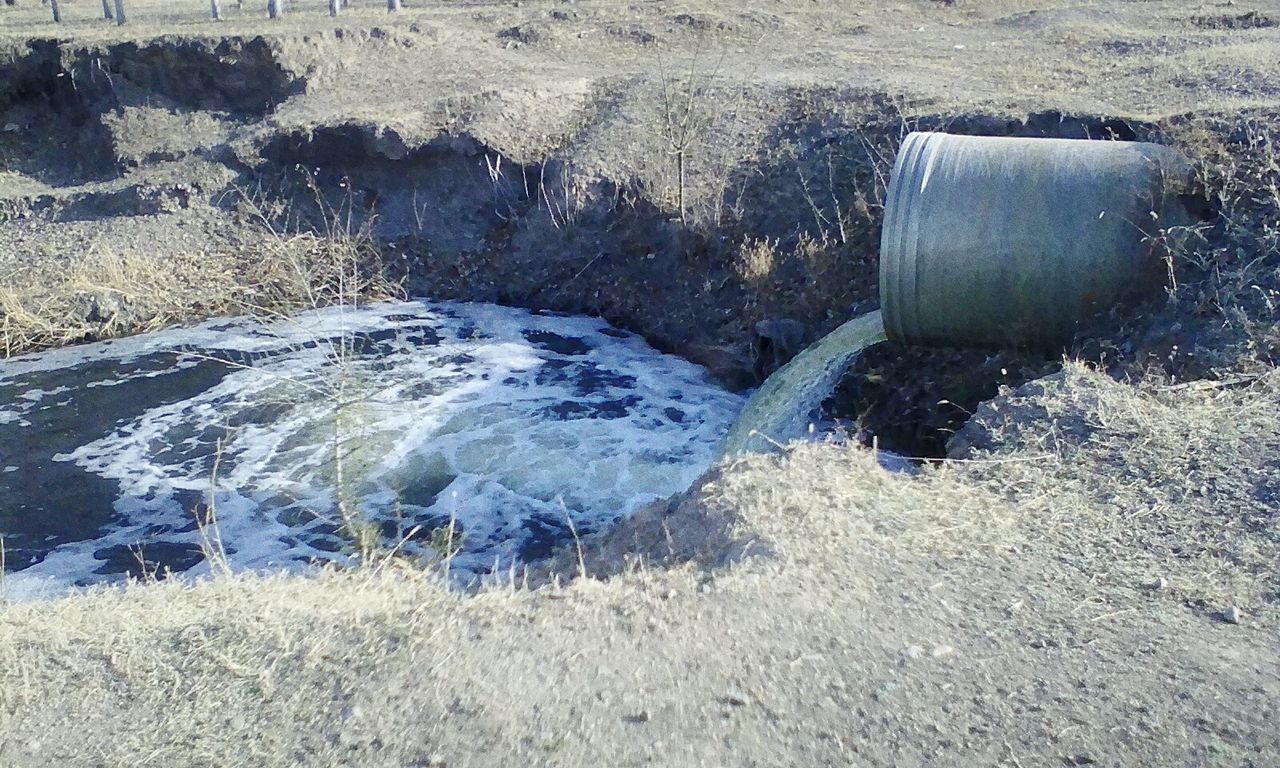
column 781, row 410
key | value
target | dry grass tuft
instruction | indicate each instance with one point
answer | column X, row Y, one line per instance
column 109, row 294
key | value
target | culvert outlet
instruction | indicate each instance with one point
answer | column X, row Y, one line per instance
column 1015, row 242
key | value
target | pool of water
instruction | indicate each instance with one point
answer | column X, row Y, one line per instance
column 514, row 428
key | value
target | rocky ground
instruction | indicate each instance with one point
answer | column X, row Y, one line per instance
column 1093, row 581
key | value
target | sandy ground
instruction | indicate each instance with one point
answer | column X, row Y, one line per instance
column 1091, row 581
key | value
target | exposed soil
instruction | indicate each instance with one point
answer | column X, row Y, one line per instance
column 1099, row 586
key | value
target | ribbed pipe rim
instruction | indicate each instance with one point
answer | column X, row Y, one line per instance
column 899, row 237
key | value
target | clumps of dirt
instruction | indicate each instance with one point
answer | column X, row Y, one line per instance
column 911, row 400
column 1247, row 20
column 242, row 76
column 1172, row 485
column 1224, row 295
column 56, row 100
column 525, row 34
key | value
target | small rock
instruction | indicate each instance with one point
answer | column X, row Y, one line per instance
column 98, row 306
column 639, row 717
column 1159, row 585
column 12, row 128
column 1233, row 615
column 706, row 588
column 942, row 650
column 913, row 651
column 736, row 699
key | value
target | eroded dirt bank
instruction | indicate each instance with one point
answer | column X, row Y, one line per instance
column 1094, row 583
column 711, row 179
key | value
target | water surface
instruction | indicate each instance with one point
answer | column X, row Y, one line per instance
column 506, row 424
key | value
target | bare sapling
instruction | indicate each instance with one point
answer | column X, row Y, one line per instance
column 57, row 14
column 687, row 115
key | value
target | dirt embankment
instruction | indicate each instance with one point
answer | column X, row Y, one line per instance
column 700, row 177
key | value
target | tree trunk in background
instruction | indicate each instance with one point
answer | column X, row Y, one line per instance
column 275, row 8
column 334, row 5
column 214, row 10
column 120, row 12
column 106, row 11
column 393, row 6
column 57, row 15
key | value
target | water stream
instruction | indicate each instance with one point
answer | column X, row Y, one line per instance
column 786, row 404
column 516, row 427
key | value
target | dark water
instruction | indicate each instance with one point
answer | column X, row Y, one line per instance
column 509, row 425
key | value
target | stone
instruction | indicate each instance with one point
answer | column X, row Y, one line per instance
column 98, row 306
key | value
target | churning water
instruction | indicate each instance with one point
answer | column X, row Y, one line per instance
column 512, row 425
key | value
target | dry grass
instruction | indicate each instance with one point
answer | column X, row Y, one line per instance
column 1227, row 275
column 106, row 294
column 874, row 592
column 1142, row 485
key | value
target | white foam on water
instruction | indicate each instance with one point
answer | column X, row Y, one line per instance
column 508, row 423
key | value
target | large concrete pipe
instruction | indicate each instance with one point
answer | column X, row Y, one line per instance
column 1012, row 241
